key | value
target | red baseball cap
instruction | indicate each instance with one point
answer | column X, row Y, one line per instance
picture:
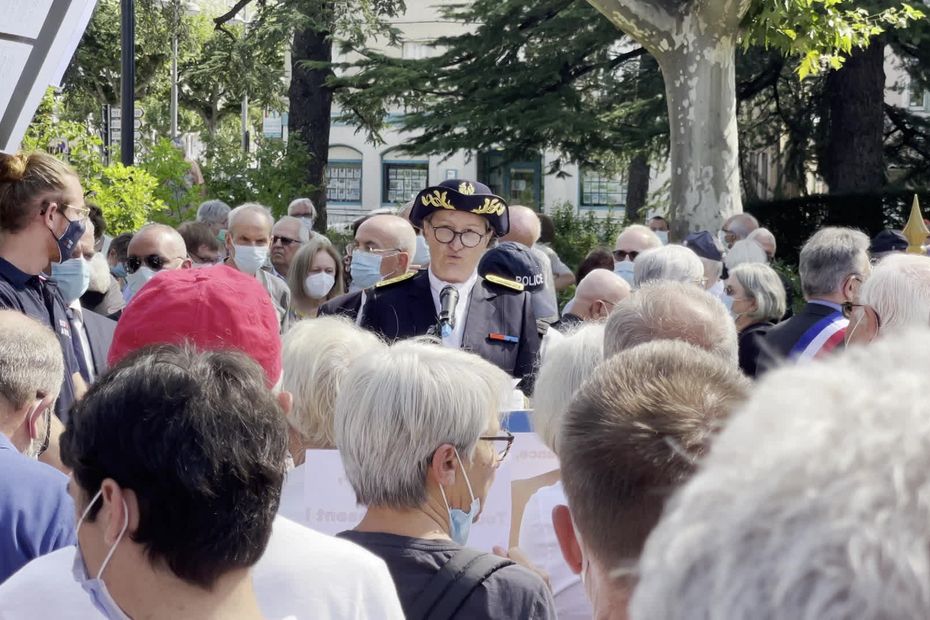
column 212, row 308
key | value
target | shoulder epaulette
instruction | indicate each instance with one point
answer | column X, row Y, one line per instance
column 512, row 284
column 395, row 280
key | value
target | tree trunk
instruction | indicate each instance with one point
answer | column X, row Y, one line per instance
column 695, row 45
column 853, row 159
column 637, row 187
column 311, row 103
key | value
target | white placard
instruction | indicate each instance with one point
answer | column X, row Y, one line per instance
column 530, row 456
column 13, row 57
column 329, row 500
column 493, row 527
column 51, row 29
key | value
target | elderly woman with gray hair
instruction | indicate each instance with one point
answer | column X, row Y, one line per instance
column 316, row 356
column 756, row 298
column 420, row 439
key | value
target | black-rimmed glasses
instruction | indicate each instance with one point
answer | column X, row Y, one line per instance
column 468, row 238
column 285, row 241
column 507, row 438
column 152, row 261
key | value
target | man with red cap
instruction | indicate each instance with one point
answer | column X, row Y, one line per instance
column 303, row 573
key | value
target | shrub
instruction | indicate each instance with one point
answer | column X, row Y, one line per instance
column 127, row 197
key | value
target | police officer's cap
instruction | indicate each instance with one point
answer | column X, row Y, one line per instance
column 460, row 195
column 512, row 261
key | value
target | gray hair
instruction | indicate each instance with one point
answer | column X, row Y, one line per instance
column 567, row 364
column 670, row 262
column 742, row 224
column 250, row 207
column 744, row 251
column 317, row 354
column 404, row 403
column 672, row 311
column 899, row 291
column 812, row 502
column 763, row 285
column 31, row 362
column 213, row 212
column 829, row 257
column 302, row 202
column 303, row 234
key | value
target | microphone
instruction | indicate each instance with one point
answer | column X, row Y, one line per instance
column 448, row 299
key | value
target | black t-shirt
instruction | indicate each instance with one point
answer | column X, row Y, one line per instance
column 511, row 592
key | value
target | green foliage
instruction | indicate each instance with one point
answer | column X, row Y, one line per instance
column 272, row 175
column 48, row 132
column 127, row 197
column 166, row 163
column 576, row 235
column 822, row 33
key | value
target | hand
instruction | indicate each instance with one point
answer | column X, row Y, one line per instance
column 516, row 554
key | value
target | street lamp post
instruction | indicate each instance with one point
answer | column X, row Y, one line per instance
column 174, row 69
column 127, row 81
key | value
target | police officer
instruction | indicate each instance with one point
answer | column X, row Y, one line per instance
column 492, row 316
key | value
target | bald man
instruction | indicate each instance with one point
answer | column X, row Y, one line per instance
column 766, row 240
column 384, row 248
column 525, row 229
column 596, row 296
column 154, row 248
column 631, row 242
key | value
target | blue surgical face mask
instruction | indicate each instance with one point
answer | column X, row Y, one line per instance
column 624, row 269
column 119, row 271
column 662, row 235
column 96, row 588
column 135, row 281
column 69, row 238
column 365, row 269
column 422, row 255
column 72, row 277
column 459, row 520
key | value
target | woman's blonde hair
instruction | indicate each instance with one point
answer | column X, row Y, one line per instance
column 23, row 178
column 300, row 269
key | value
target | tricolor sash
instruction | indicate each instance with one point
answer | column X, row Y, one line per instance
column 821, row 337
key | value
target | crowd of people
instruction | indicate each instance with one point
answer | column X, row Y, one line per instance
column 722, row 452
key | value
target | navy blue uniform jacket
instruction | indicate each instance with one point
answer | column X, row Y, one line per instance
column 405, row 309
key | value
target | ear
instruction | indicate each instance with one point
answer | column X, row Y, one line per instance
column 442, row 465
column 599, row 310
column 568, row 542
column 120, row 507
column 403, row 262
column 286, row 402
column 187, row 263
column 35, row 415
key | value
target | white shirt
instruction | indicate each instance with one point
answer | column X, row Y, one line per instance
column 303, row 574
column 361, row 309
column 461, row 309
column 77, row 320
column 538, row 541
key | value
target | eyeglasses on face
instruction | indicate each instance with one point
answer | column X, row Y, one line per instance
column 205, row 260
column 285, row 241
column 506, row 438
column 621, row 255
column 82, row 211
column 468, row 238
column 152, row 261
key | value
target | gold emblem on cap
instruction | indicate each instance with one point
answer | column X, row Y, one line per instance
column 466, row 188
column 437, row 199
column 492, row 206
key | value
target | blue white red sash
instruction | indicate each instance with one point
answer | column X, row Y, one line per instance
column 821, row 337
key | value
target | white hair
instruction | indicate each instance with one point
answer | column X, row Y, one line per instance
column 567, row 364
column 813, row 503
column 763, row 286
column 317, row 354
column 829, row 257
column 899, row 292
column 302, row 202
column 250, row 207
column 405, row 402
column 742, row 224
column 670, row 262
column 744, row 251
column 213, row 212
column 672, row 311
column 303, row 235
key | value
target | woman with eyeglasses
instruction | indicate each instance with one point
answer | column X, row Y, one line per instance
column 491, row 316
column 756, row 299
column 419, row 433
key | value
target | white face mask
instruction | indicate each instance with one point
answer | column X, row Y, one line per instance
column 135, row 281
column 625, row 270
column 662, row 235
column 96, row 588
column 250, row 258
column 422, row 256
column 318, row 285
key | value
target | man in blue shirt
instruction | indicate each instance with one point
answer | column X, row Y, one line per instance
column 36, row 512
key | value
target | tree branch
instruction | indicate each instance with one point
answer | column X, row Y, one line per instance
column 649, row 23
column 230, row 14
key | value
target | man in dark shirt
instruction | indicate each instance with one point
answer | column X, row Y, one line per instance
column 42, row 216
